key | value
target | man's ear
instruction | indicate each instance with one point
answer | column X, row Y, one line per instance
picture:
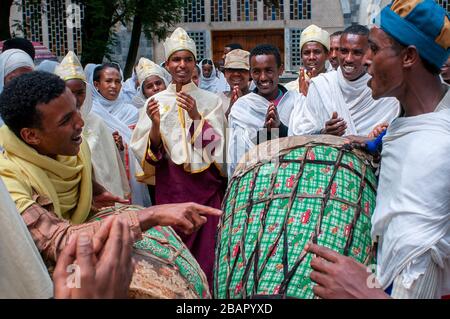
column 281, row 70
column 30, row 136
column 410, row 56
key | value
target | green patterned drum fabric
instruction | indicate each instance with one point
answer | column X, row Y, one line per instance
column 164, row 266
column 314, row 189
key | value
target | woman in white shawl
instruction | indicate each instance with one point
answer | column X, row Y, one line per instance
column 152, row 79
column 209, row 79
column 119, row 117
column 13, row 63
column 108, row 96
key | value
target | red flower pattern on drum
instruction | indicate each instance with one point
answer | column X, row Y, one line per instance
column 276, row 290
column 367, row 207
column 311, row 155
column 350, row 164
column 236, row 249
column 347, row 230
column 319, row 191
column 306, row 216
column 333, row 189
column 290, row 181
column 238, row 288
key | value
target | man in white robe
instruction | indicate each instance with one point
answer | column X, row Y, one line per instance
column 266, row 110
column 340, row 102
column 411, row 221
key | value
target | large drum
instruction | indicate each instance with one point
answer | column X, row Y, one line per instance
column 286, row 193
column 165, row 268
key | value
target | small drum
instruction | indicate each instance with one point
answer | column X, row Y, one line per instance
column 165, row 268
column 287, row 193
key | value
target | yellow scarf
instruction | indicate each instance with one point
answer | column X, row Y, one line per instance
column 66, row 181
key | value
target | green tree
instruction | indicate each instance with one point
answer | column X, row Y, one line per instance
column 153, row 17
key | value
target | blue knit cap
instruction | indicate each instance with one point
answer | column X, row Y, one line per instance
column 422, row 23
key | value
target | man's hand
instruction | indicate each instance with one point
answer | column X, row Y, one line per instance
column 188, row 103
column 118, row 141
column 338, row 276
column 272, row 118
column 378, row 130
column 106, row 199
column 188, row 217
column 335, row 126
column 305, row 79
column 357, row 141
column 235, row 94
column 104, row 264
column 153, row 112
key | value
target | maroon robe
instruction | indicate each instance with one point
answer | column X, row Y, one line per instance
column 175, row 185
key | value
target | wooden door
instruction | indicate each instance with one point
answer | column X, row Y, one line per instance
column 247, row 38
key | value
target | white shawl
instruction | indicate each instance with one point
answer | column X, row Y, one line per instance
column 119, row 108
column 22, row 271
column 247, row 117
column 412, row 213
column 139, row 192
column 11, row 60
column 352, row 100
column 211, row 84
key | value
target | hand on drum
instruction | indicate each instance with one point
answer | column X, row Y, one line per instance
column 188, row 217
column 105, row 266
column 335, row 126
column 339, row 276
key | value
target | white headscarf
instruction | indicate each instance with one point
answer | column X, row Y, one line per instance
column 210, row 84
column 11, row 60
column 47, row 66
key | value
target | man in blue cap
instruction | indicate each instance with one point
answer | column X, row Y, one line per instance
column 411, row 220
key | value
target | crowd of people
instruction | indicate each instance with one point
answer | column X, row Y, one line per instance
column 75, row 140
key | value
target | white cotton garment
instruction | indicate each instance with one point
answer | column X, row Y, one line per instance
column 352, row 100
column 411, row 220
column 23, row 274
column 247, row 117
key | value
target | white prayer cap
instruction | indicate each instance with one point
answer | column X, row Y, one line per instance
column 147, row 68
column 179, row 40
column 70, row 68
column 315, row 34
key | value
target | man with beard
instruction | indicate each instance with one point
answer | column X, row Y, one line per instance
column 340, row 103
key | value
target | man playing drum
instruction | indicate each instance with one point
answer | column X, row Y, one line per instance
column 411, row 218
column 47, row 170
